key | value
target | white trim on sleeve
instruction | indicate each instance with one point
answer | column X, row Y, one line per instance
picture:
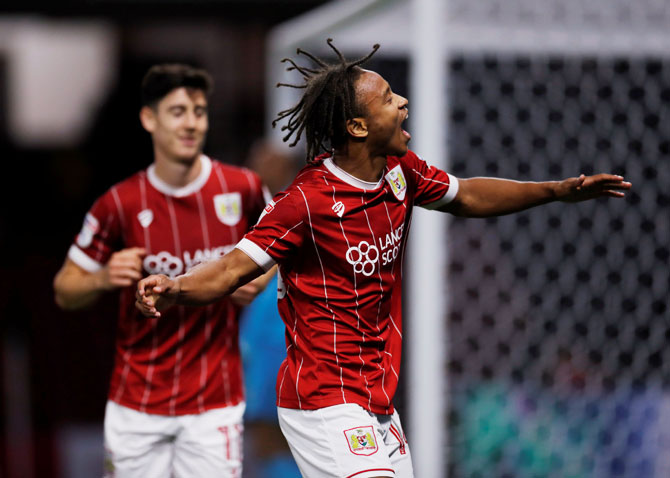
column 258, row 255
column 80, row 258
column 448, row 197
column 267, row 196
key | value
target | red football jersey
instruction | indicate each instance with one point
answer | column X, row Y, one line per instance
column 339, row 243
column 188, row 360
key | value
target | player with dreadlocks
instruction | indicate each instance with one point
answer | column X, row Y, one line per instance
column 328, row 102
column 338, row 233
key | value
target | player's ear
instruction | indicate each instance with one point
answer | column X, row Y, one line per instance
column 357, row 127
column 148, row 118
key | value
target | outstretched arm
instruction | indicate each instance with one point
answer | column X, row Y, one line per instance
column 205, row 283
column 485, row 197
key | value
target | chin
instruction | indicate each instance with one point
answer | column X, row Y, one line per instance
column 188, row 155
column 401, row 151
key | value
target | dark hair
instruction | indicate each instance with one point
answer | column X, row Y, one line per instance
column 328, row 102
column 162, row 79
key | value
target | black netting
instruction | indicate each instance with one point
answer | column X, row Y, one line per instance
column 559, row 324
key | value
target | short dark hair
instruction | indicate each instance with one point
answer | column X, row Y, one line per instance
column 328, row 102
column 162, row 79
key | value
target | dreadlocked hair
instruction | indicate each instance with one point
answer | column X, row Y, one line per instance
column 328, row 102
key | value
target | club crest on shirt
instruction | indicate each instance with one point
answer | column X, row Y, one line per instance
column 228, row 208
column 146, row 217
column 396, row 180
column 88, row 230
column 361, row 440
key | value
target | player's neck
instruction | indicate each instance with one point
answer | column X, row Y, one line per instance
column 177, row 173
column 359, row 163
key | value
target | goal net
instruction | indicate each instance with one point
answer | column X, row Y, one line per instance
column 558, row 322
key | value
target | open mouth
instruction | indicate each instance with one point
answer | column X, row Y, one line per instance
column 405, row 133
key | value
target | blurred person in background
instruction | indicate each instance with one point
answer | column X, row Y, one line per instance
column 263, row 346
column 176, row 398
column 338, row 233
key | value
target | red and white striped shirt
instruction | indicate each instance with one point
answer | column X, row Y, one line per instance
column 187, row 361
column 339, row 243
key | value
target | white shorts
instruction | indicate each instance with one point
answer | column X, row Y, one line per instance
column 346, row 441
column 143, row 445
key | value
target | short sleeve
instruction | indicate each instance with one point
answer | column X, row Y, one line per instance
column 279, row 231
column 100, row 235
column 434, row 187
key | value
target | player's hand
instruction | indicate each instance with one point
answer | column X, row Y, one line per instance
column 247, row 293
column 124, row 268
column 590, row 187
column 156, row 293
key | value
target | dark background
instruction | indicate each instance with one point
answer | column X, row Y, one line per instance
column 558, row 319
column 46, row 193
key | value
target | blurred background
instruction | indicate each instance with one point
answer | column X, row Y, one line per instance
column 549, row 352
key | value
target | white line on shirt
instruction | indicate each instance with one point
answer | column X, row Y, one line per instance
column 143, row 198
column 225, row 373
column 282, row 237
column 429, row 179
column 358, row 317
column 203, row 220
column 126, row 367
column 103, row 236
column 203, row 357
column 325, row 292
column 297, row 379
column 119, row 208
column 150, row 369
column 381, row 297
column 181, row 333
column 177, row 366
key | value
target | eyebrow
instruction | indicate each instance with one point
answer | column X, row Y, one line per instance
column 184, row 107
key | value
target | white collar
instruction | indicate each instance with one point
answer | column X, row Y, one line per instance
column 190, row 188
column 348, row 178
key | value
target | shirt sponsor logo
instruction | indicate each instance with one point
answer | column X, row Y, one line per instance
column 363, row 257
column 338, row 208
column 228, row 208
column 165, row 263
column 88, row 230
column 362, row 440
column 146, row 217
column 396, row 180
column 390, row 245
